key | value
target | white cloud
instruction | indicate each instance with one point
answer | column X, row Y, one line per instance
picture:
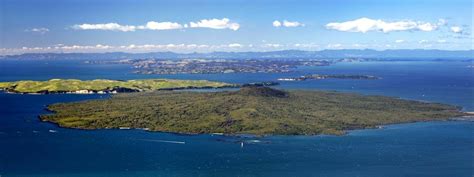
column 285, row 23
column 152, row 25
column 426, row 27
column 235, row 45
column 309, row 45
column 399, row 41
column 359, row 45
column 276, row 23
column 356, row 45
column 38, row 30
column 456, row 29
column 105, row 26
column 366, row 24
column 215, row 24
column 292, row 24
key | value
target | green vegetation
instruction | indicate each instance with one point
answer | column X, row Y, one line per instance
column 73, row 85
column 253, row 110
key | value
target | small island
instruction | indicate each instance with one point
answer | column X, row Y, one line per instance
column 333, row 76
column 250, row 110
column 103, row 86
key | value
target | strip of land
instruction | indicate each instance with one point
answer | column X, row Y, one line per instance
column 250, row 110
column 332, row 76
column 212, row 66
column 106, row 86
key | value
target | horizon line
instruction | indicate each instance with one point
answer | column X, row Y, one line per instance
column 195, row 52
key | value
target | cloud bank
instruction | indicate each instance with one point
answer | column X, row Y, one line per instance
column 214, row 23
column 123, row 48
column 105, row 27
column 364, row 25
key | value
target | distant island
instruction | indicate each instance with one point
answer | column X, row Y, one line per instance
column 384, row 55
column 213, row 66
column 332, row 76
column 103, row 86
column 250, row 110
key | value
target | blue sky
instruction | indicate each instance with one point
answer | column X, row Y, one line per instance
column 234, row 25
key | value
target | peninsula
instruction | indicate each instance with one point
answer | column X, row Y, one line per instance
column 250, row 110
column 332, row 76
column 102, row 86
column 215, row 66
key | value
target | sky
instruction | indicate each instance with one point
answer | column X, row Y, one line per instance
column 33, row 26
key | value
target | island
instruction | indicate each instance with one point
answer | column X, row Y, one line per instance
column 331, row 76
column 103, row 86
column 250, row 110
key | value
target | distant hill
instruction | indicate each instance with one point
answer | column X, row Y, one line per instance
column 283, row 54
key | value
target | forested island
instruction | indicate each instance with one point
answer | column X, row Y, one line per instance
column 102, row 86
column 250, row 110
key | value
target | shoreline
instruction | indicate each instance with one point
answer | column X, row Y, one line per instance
column 106, row 92
column 345, row 132
column 117, row 90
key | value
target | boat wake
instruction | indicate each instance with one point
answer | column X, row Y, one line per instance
column 163, row 141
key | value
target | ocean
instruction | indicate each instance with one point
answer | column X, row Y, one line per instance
column 29, row 147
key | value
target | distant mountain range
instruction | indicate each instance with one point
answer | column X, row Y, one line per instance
column 283, row 54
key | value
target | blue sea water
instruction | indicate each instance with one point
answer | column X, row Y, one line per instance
column 29, row 147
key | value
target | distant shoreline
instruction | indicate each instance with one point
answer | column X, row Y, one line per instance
column 331, row 76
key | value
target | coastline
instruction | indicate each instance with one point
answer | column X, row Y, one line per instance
column 118, row 89
column 468, row 118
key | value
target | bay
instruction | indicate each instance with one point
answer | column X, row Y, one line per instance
column 29, row 147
